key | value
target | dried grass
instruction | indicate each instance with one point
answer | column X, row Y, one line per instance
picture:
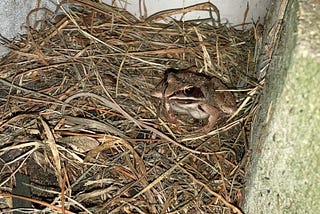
column 75, row 105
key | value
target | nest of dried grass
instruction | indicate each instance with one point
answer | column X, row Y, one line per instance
column 77, row 116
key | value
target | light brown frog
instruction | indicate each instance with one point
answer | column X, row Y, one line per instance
column 187, row 92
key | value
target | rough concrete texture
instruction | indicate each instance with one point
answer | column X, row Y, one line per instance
column 13, row 17
column 284, row 175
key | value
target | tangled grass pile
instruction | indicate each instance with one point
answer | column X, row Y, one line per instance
column 77, row 117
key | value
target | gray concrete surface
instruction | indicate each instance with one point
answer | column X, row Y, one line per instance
column 284, row 175
column 13, row 15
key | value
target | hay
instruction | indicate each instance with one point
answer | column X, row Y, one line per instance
column 76, row 111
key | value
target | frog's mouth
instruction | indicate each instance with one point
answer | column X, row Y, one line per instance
column 191, row 107
column 185, row 100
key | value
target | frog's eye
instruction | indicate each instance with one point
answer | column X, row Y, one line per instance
column 188, row 90
column 192, row 91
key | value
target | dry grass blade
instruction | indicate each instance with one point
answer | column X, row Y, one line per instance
column 36, row 201
column 54, row 150
column 200, row 6
column 233, row 208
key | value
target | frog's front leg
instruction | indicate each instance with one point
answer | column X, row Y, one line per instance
column 212, row 119
column 172, row 118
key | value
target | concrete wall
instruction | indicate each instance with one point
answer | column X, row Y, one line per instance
column 284, row 176
column 231, row 11
column 13, row 16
